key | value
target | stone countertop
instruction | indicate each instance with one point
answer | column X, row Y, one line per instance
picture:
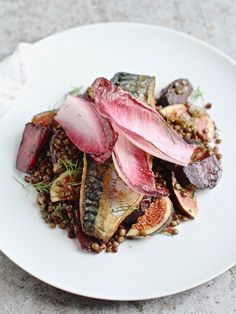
column 25, row 20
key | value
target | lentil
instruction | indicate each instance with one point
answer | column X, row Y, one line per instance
column 175, row 231
column 208, row 105
column 173, row 223
column 120, row 239
column 108, row 249
column 122, row 232
column 95, row 247
column 114, row 249
column 216, row 150
column 219, row 156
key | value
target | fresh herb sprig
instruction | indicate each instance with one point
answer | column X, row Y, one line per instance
column 196, row 95
column 76, row 91
column 56, row 207
column 70, row 166
column 73, row 168
column 39, row 186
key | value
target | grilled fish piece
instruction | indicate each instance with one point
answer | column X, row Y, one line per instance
column 105, row 200
column 142, row 87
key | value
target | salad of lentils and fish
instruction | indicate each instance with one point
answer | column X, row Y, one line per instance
column 116, row 163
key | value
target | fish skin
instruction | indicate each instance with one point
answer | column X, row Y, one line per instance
column 105, row 200
column 142, row 87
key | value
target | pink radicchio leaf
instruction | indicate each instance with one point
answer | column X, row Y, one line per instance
column 86, row 128
column 142, row 125
column 132, row 166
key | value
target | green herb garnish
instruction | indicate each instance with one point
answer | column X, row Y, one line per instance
column 70, row 166
column 39, row 186
column 196, row 95
column 167, row 234
column 76, row 91
column 56, row 207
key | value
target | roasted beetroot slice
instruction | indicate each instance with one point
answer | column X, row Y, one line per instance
column 203, row 174
column 32, row 143
column 177, row 92
column 184, row 199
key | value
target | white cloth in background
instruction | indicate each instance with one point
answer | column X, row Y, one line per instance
column 13, row 76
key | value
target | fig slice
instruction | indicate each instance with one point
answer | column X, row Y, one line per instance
column 33, row 140
column 184, row 198
column 191, row 116
column 45, row 118
column 155, row 219
column 64, row 186
column 200, row 152
column 132, row 218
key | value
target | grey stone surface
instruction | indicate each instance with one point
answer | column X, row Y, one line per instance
column 27, row 20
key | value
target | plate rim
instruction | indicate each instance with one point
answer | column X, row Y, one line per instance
column 143, row 25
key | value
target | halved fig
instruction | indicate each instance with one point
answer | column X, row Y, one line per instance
column 45, row 118
column 191, row 117
column 105, row 200
column 156, row 218
column 65, row 186
column 177, row 92
column 184, row 198
column 203, row 174
column 32, row 143
column 132, row 218
column 175, row 113
column 200, row 152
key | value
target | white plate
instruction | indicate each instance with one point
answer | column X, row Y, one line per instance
column 142, row 269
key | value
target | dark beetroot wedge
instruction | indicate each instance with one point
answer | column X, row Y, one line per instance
column 203, row 174
column 184, row 199
column 33, row 140
column 45, row 118
column 177, row 92
column 156, row 218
